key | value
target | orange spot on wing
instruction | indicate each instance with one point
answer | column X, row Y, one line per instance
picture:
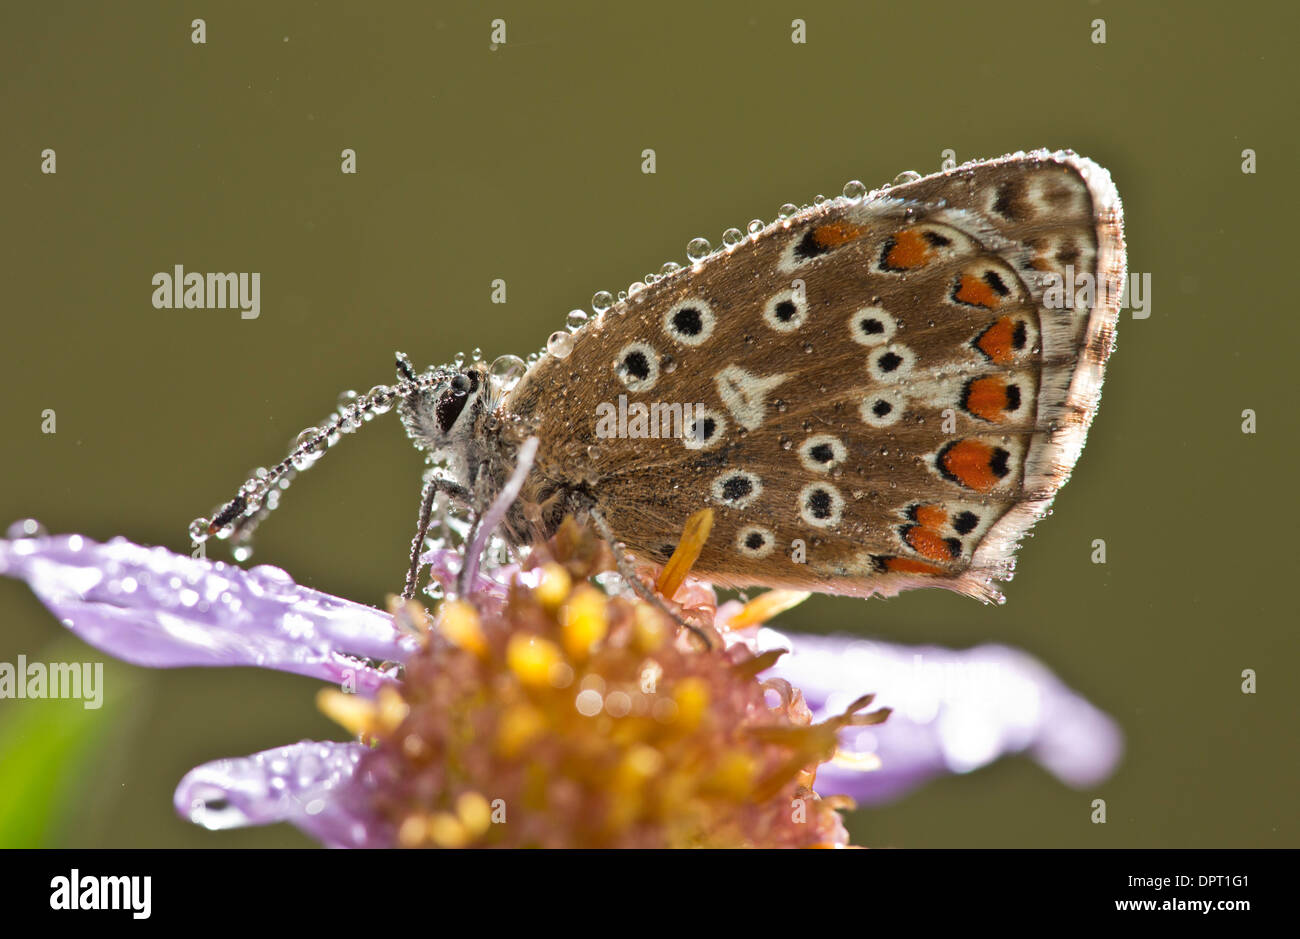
column 970, row 462
column 834, row 234
column 930, row 516
column 987, row 398
column 908, row 566
column 909, row 250
column 927, row 543
column 997, row 341
column 975, row 291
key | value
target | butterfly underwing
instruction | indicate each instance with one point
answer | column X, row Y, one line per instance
column 874, row 393
column 892, row 393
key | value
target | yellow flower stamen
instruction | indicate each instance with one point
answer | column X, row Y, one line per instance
column 409, row 616
column 651, row 626
column 762, row 608
column 863, row 762
column 459, row 622
column 520, row 724
column 584, row 620
column 692, row 698
column 532, row 659
column 694, row 535
column 448, row 831
column 554, row 587
column 474, row 813
column 735, row 775
column 353, row 713
column 391, row 710
column 414, row 831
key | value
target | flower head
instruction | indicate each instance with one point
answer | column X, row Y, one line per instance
column 572, row 718
column 552, row 711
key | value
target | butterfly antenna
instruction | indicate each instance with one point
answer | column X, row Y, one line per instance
column 260, row 493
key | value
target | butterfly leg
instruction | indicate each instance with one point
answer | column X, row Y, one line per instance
column 432, row 486
column 629, row 574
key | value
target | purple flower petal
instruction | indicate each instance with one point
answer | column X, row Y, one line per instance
column 953, row 712
column 308, row 784
column 155, row 608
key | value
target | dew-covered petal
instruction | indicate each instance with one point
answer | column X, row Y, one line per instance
column 152, row 607
column 308, row 784
column 953, row 712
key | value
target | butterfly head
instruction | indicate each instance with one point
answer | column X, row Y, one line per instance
column 442, row 405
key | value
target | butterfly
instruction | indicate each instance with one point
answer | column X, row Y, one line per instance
column 878, row 392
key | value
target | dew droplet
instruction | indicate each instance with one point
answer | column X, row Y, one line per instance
column 781, row 406
column 241, row 552
column 668, row 363
column 754, row 228
column 787, row 210
column 507, row 370
column 697, row 249
column 199, row 530
column 601, row 301
column 670, row 268
column 381, row 399
column 576, row 320
column 311, row 448
column 786, row 442
column 346, row 400
column 907, row 176
column 26, row 528
column 635, row 288
column 594, row 452
column 732, row 237
column 560, row 344
column 855, row 189
column 818, row 199
column 350, row 419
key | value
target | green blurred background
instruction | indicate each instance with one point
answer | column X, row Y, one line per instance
column 524, row 163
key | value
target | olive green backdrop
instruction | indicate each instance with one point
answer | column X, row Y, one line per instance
column 524, row 163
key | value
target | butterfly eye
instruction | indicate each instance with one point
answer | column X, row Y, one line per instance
column 451, row 404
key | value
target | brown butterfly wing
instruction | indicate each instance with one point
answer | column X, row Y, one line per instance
column 887, row 400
